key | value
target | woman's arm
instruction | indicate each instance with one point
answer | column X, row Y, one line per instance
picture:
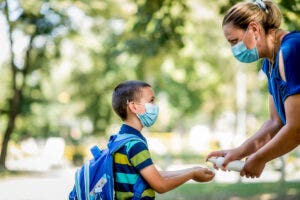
column 269, row 129
column 285, row 140
column 163, row 182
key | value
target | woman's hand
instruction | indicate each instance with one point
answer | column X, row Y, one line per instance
column 253, row 167
column 229, row 155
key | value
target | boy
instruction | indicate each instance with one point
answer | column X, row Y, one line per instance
column 134, row 102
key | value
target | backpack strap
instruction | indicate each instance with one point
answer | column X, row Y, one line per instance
column 138, row 188
column 119, row 140
column 77, row 184
column 96, row 151
column 87, row 180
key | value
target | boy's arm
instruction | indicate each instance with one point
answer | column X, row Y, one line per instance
column 169, row 180
column 168, row 174
column 139, row 157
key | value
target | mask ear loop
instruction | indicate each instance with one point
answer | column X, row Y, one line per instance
column 246, row 32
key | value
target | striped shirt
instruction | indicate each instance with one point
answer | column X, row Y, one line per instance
column 128, row 162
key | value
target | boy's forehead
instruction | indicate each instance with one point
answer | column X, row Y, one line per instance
column 147, row 92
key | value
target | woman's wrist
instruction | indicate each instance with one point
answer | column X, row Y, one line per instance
column 243, row 151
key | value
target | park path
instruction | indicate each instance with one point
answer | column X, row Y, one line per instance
column 51, row 185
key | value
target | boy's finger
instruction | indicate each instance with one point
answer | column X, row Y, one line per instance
column 210, row 176
column 209, row 172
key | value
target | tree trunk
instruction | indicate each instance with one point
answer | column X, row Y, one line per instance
column 14, row 105
column 282, row 169
column 14, row 102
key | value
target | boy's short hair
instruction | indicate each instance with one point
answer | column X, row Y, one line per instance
column 125, row 92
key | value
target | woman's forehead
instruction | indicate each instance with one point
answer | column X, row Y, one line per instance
column 232, row 31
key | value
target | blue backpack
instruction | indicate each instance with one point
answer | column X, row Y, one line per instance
column 95, row 179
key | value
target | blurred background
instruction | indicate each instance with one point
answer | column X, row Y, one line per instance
column 61, row 59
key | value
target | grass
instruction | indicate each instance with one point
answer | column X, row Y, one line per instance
column 237, row 191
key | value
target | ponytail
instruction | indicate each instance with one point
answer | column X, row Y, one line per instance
column 265, row 12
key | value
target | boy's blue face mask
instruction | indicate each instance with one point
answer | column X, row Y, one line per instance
column 243, row 54
column 149, row 117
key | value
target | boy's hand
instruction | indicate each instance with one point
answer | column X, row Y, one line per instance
column 202, row 174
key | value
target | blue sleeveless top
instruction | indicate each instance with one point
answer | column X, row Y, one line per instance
column 278, row 88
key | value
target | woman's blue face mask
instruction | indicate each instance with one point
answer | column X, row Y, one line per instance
column 243, row 54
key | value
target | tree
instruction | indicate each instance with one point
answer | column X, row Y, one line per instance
column 152, row 43
column 134, row 51
column 38, row 23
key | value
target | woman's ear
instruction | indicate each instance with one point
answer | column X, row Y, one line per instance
column 256, row 28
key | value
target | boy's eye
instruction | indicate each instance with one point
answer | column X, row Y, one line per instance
column 233, row 42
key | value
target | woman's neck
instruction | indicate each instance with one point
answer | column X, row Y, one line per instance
column 275, row 44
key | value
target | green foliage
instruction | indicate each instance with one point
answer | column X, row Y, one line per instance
column 40, row 25
column 291, row 13
column 156, row 27
column 172, row 45
column 136, row 52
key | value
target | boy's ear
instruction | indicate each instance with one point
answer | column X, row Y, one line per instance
column 132, row 108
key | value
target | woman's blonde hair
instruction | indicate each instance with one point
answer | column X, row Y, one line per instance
column 241, row 14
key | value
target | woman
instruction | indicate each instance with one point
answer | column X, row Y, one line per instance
column 253, row 30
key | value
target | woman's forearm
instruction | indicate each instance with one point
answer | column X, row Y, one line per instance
column 285, row 141
column 269, row 129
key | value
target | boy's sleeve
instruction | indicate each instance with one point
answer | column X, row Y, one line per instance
column 139, row 155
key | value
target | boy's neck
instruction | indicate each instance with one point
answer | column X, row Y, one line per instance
column 134, row 123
